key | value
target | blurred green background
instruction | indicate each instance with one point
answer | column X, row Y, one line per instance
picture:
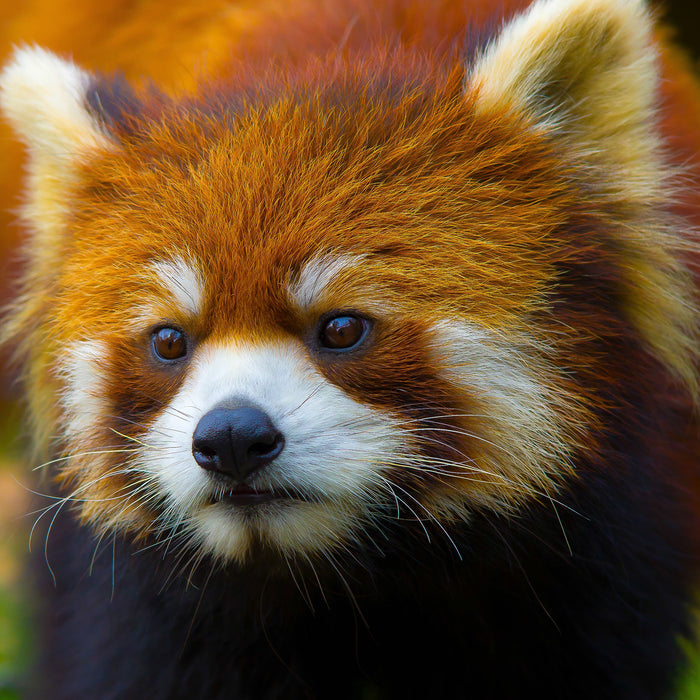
column 682, row 16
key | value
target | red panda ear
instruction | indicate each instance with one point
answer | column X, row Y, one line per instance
column 584, row 70
column 44, row 97
column 47, row 101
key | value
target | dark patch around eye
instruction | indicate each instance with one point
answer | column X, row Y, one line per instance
column 396, row 372
column 140, row 385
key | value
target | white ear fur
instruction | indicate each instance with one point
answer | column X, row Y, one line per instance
column 43, row 96
column 568, row 42
column 44, row 99
column 584, row 69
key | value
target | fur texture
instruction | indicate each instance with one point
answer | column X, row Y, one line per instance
column 448, row 257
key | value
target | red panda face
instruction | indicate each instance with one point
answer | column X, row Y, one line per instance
column 271, row 366
column 378, row 295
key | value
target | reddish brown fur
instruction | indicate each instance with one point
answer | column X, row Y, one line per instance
column 176, row 44
column 195, row 173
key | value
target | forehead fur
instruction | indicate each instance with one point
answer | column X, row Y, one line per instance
column 253, row 195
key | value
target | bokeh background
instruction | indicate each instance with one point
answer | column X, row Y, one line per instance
column 682, row 18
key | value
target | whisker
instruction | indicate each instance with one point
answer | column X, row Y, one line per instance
column 90, row 453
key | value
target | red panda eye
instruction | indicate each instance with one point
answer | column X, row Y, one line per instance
column 169, row 344
column 342, row 332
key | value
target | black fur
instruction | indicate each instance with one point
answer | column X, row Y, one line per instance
column 585, row 598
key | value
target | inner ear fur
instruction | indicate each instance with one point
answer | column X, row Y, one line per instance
column 585, row 70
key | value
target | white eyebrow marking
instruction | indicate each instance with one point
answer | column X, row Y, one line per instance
column 184, row 281
column 316, row 275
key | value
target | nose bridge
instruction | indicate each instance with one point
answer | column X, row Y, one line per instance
column 246, row 369
column 249, row 300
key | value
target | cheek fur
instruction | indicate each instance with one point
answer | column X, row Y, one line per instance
column 82, row 369
column 97, row 467
column 472, row 405
column 397, row 373
column 526, row 427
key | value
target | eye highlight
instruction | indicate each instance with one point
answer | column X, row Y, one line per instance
column 342, row 332
column 169, row 344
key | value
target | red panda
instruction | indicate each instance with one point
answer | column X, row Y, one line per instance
column 367, row 366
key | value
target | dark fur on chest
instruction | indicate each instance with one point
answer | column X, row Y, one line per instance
column 581, row 598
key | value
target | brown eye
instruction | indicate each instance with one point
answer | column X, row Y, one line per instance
column 342, row 332
column 169, row 344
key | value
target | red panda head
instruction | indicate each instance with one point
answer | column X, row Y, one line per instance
column 386, row 285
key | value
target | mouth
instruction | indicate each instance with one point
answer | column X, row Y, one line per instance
column 247, row 496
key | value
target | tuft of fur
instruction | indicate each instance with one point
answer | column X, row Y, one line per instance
column 498, row 469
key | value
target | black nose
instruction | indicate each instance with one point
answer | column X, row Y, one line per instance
column 236, row 439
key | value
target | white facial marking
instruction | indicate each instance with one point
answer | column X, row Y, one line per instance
column 183, row 281
column 334, row 452
column 82, row 401
column 522, row 440
column 316, row 275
